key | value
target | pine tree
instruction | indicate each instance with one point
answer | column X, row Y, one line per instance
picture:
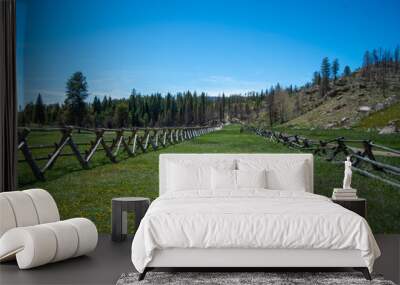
column 397, row 58
column 290, row 89
column 367, row 59
column 297, row 105
column 325, row 75
column 316, row 78
column 53, row 113
column 122, row 114
column 76, row 95
column 346, row 71
column 335, row 68
column 188, row 113
column 96, row 105
column 325, row 68
column 375, row 57
column 281, row 98
column 271, row 107
column 168, row 114
column 104, row 103
column 203, row 108
column 223, row 107
column 174, row 112
column 39, row 111
column 146, row 114
column 29, row 111
column 181, row 109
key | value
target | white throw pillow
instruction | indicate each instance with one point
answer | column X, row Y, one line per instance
column 282, row 174
column 187, row 175
column 251, row 178
column 223, row 179
column 186, row 178
column 292, row 178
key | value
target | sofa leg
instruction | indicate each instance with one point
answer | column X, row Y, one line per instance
column 364, row 271
column 142, row 275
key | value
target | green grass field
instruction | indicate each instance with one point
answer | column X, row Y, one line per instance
column 88, row 193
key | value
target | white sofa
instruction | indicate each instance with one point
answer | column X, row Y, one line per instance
column 31, row 231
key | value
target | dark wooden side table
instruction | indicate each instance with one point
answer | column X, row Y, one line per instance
column 120, row 208
column 358, row 206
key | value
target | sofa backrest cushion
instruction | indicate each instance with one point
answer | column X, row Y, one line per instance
column 26, row 208
column 284, row 171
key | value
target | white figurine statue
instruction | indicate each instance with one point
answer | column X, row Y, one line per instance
column 347, row 174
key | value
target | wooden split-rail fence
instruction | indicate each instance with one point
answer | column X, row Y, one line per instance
column 111, row 141
column 361, row 157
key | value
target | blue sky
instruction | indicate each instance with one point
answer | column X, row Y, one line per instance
column 169, row 46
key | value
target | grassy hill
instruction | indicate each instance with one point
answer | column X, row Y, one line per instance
column 349, row 102
column 382, row 118
column 88, row 193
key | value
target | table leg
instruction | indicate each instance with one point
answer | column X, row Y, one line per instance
column 124, row 222
column 116, row 221
column 140, row 211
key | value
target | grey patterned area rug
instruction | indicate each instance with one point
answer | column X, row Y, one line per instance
column 269, row 278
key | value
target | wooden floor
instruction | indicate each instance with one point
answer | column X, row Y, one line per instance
column 110, row 260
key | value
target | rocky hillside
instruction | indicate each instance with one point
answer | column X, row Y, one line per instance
column 349, row 101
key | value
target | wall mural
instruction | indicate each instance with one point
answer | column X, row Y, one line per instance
column 104, row 89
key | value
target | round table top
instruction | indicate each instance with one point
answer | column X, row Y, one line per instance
column 130, row 199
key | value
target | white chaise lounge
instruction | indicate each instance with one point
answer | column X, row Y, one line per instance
column 31, row 231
